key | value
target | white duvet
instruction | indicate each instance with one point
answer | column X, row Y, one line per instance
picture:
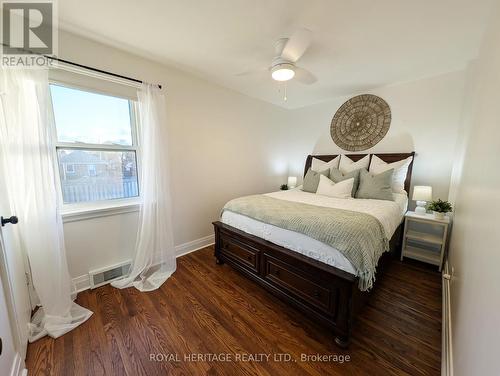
column 389, row 213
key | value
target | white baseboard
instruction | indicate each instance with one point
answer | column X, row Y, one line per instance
column 82, row 282
column 18, row 368
column 184, row 249
column 447, row 349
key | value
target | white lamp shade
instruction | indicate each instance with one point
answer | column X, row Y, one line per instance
column 422, row 193
column 292, row 181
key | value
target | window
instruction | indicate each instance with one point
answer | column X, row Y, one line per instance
column 92, row 170
column 95, row 145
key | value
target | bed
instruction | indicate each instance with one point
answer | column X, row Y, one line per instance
column 306, row 273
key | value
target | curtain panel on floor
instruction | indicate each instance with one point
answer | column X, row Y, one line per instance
column 154, row 260
column 28, row 156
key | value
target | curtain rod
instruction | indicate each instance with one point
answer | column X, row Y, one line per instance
column 96, row 70
column 83, row 66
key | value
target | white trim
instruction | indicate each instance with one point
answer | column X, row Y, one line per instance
column 82, row 282
column 194, row 245
column 81, row 213
column 447, row 348
column 18, row 367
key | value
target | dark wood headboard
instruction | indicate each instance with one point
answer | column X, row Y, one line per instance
column 386, row 157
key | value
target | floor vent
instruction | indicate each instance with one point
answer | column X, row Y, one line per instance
column 103, row 276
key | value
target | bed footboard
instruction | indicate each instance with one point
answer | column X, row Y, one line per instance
column 324, row 293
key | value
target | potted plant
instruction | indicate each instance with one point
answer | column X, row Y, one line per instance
column 284, row 187
column 439, row 208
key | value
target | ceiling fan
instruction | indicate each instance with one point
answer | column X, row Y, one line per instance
column 288, row 52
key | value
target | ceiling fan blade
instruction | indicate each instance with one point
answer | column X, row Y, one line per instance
column 252, row 72
column 297, row 45
column 304, row 76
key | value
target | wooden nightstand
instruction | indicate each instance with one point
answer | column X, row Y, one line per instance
column 425, row 238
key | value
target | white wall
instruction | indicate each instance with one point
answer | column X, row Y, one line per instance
column 425, row 119
column 222, row 144
column 474, row 248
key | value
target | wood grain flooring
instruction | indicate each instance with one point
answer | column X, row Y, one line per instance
column 228, row 325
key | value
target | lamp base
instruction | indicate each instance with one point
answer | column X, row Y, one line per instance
column 420, row 209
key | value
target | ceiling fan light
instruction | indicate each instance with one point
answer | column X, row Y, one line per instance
column 283, row 72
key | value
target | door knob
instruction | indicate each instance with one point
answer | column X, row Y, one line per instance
column 12, row 220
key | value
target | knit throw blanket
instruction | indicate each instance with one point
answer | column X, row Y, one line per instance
column 358, row 236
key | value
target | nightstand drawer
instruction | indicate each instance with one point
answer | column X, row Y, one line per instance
column 425, row 237
column 424, row 255
column 422, row 244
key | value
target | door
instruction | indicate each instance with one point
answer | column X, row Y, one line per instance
column 13, row 268
column 7, row 348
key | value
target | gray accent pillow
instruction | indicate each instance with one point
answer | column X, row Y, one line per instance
column 378, row 187
column 311, row 180
column 336, row 176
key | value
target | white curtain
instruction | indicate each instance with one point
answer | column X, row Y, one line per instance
column 28, row 157
column 154, row 260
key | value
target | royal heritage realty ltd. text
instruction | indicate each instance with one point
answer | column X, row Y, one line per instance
column 248, row 357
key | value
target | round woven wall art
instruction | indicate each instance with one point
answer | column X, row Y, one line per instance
column 361, row 122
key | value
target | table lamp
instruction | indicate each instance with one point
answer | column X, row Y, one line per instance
column 292, row 182
column 422, row 194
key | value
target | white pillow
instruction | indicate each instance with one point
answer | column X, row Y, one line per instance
column 377, row 166
column 347, row 164
column 318, row 165
column 342, row 189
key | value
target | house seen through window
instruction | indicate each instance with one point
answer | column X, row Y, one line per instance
column 96, row 147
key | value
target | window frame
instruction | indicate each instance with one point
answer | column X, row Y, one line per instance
column 91, row 209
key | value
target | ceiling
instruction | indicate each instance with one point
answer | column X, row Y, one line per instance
column 357, row 44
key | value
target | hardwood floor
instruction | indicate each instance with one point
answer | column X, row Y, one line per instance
column 208, row 310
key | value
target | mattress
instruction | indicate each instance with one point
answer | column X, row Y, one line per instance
column 389, row 213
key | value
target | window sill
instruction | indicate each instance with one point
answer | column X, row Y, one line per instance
column 81, row 213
